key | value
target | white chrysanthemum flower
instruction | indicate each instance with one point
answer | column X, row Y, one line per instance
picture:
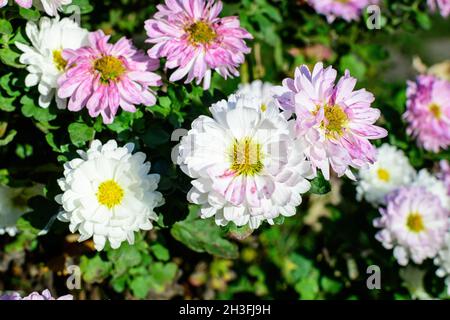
column 246, row 165
column 391, row 171
column 43, row 58
column 442, row 260
column 13, row 204
column 261, row 90
column 433, row 185
column 108, row 194
column 414, row 224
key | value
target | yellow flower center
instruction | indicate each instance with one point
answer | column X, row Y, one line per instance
column 415, row 222
column 435, row 110
column 200, row 32
column 383, row 175
column 58, row 60
column 110, row 194
column 246, row 157
column 110, row 68
column 335, row 121
column 263, row 107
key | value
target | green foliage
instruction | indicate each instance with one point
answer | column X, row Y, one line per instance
column 319, row 185
column 140, row 268
column 80, row 133
column 203, row 236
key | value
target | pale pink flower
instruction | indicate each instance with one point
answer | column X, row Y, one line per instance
column 103, row 77
column 46, row 295
column 334, row 122
column 348, row 9
column 428, row 112
column 414, row 224
column 443, row 6
column 194, row 40
column 247, row 165
column 23, row 3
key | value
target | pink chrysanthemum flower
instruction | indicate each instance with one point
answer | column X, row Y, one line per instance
column 23, row 3
column 46, row 295
column 334, row 122
column 190, row 34
column 414, row 224
column 346, row 9
column 104, row 77
column 428, row 112
column 442, row 5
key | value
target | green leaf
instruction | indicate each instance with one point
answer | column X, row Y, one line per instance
column 6, row 104
column 5, row 27
column 124, row 258
column 119, row 283
column 50, row 138
column 6, row 83
column 82, row 5
column 26, row 227
column 319, row 185
column 124, row 121
column 31, row 110
column 203, row 235
column 9, row 57
column 80, row 133
column 160, row 252
column 400, row 101
column 3, row 128
column 140, row 286
column 24, row 150
column 296, row 267
column 423, row 19
column 330, row 285
column 155, row 137
column 239, row 233
column 163, row 107
column 163, row 274
column 8, row 138
column 308, row 287
column 29, row 14
column 25, row 240
column 356, row 67
column 94, row 270
column 159, row 277
column 300, row 272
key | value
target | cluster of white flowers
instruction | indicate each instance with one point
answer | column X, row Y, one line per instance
column 415, row 209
